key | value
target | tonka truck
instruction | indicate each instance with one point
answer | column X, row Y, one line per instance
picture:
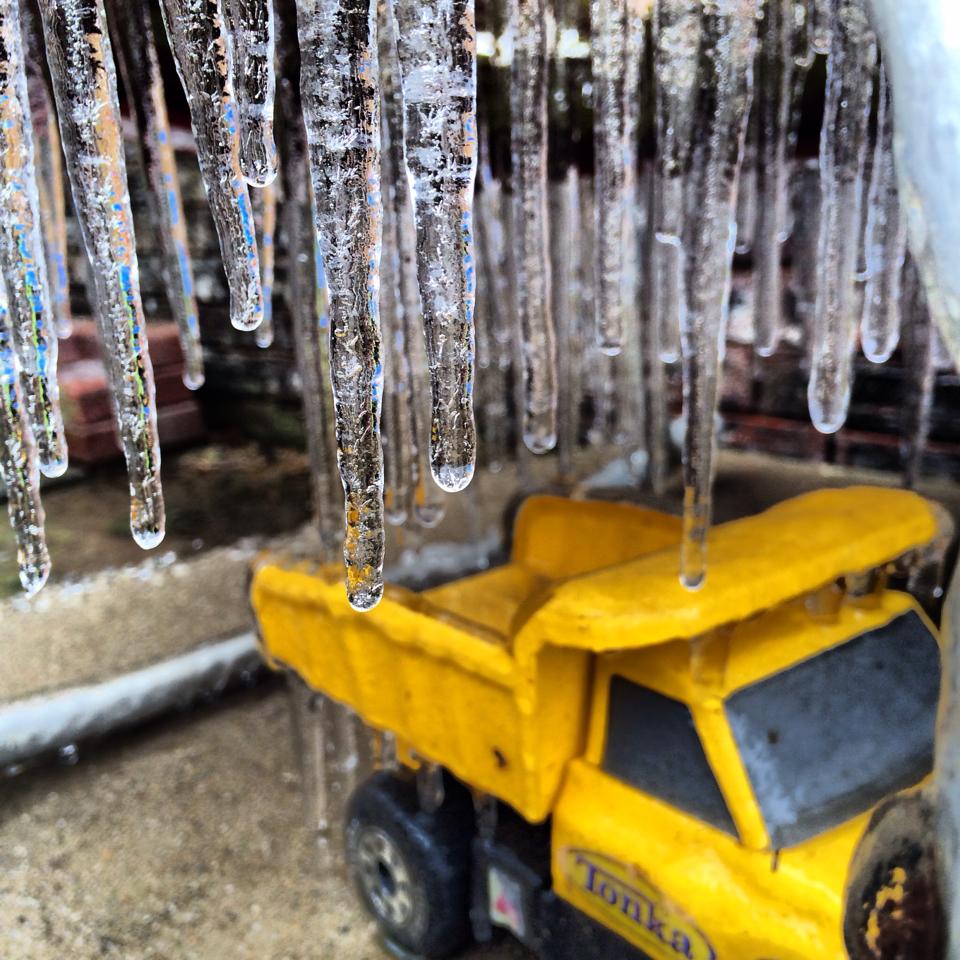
column 658, row 773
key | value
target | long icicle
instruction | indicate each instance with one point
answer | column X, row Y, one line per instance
column 920, row 374
column 528, row 109
column 341, row 108
column 608, row 61
column 22, row 254
column 774, row 86
column 676, row 36
column 195, row 29
column 250, row 25
column 436, row 42
column 265, row 214
column 399, row 327
column 18, row 467
column 49, row 162
column 886, row 242
column 136, row 51
column 719, row 126
column 843, row 144
column 85, row 85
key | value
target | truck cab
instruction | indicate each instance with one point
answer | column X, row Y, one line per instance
column 659, row 773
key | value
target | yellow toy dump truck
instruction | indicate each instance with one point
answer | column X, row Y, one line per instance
column 660, row 773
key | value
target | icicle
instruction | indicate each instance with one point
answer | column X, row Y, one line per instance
column 719, row 125
column 842, row 152
column 265, row 214
column 805, row 242
column 250, row 27
column 196, row 35
column 565, row 238
column 747, row 190
column 341, row 109
column 81, row 64
column 528, row 108
column 803, row 12
column 920, row 370
column 886, row 243
column 23, row 257
column 609, row 59
column 772, row 107
column 821, row 33
column 137, row 58
column 437, row 52
column 49, row 163
column 676, row 34
column 18, row 467
column 399, row 313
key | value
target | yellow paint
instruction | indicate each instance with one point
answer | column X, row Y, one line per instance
column 503, row 678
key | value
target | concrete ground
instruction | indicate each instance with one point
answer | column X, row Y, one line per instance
column 184, row 841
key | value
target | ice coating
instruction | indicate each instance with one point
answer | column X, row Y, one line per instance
column 265, row 216
column 610, row 59
column 843, row 146
column 18, row 466
column 676, row 42
column 774, row 90
column 724, row 81
column 886, row 243
column 195, row 30
column 136, row 53
column 85, row 86
column 250, row 25
column 399, row 317
column 919, row 354
column 49, row 164
column 341, row 110
column 23, row 256
column 528, row 111
column 436, row 43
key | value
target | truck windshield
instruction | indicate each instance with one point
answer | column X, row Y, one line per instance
column 830, row 737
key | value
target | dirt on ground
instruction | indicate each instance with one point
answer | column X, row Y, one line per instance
column 184, row 841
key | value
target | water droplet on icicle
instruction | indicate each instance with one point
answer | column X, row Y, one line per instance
column 81, row 66
column 436, row 42
column 528, row 111
column 137, row 59
column 18, row 467
column 198, row 42
column 843, row 146
column 718, row 130
column 676, row 38
column 250, row 35
column 23, row 260
column 341, row 109
column 886, row 242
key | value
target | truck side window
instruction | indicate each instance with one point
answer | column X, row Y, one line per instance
column 653, row 745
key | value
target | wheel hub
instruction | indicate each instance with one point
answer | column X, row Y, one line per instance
column 384, row 877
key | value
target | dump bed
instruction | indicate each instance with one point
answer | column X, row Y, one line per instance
column 488, row 675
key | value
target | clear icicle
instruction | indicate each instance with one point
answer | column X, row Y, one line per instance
column 18, row 466
column 81, row 65
column 803, row 13
column 397, row 292
column 843, row 146
column 920, row 364
column 805, row 242
column 772, row 107
column 609, row 60
column 49, row 162
column 719, row 125
column 747, row 190
column 341, row 108
column 821, row 33
column 676, row 36
column 250, row 25
column 886, row 243
column 528, row 108
column 196, row 34
column 436, row 42
column 137, row 59
column 265, row 214
column 23, row 256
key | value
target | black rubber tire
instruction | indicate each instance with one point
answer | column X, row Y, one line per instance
column 435, row 850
